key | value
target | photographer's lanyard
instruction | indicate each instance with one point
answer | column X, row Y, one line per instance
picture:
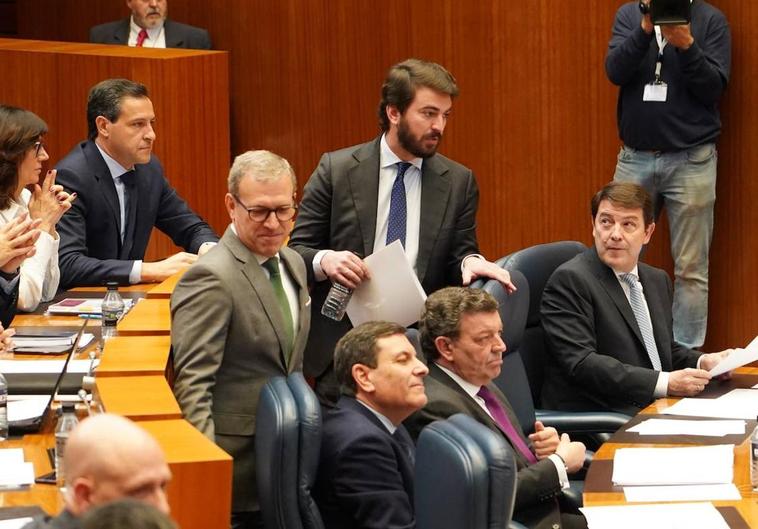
column 656, row 91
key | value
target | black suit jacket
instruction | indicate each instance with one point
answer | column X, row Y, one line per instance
column 91, row 251
column 538, row 485
column 365, row 476
column 8, row 300
column 597, row 357
column 178, row 35
column 338, row 212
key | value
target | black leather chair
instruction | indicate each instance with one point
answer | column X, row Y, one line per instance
column 287, row 445
column 465, row 476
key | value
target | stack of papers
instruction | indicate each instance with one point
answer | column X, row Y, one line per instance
column 44, row 366
column 671, row 516
column 685, row 427
column 82, row 306
column 14, row 471
column 59, row 343
column 693, row 465
column 737, row 404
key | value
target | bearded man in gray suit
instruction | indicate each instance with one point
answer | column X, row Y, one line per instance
column 241, row 315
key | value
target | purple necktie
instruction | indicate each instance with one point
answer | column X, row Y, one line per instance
column 505, row 424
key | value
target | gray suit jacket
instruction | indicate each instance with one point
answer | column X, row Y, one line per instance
column 338, row 212
column 538, row 485
column 597, row 357
column 227, row 337
column 178, row 35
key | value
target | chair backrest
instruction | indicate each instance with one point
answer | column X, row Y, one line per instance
column 513, row 380
column 465, row 477
column 415, row 338
column 287, row 445
column 538, row 263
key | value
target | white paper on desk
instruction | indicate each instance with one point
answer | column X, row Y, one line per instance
column 685, row 427
column 392, row 294
column 44, row 366
column 27, row 408
column 692, row 465
column 16, row 475
column 660, row 516
column 15, row 523
column 738, row 358
column 11, row 456
column 30, row 345
column 716, row 408
column 723, row 491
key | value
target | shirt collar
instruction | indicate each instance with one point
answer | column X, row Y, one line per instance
column 468, row 387
column 387, row 158
column 634, row 272
column 384, row 420
column 152, row 33
column 260, row 258
column 114, row 167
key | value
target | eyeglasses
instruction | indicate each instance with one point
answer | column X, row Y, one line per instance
column 260, row 214
column 38, row 148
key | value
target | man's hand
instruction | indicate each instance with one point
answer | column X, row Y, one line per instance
column 160, row 270
column 476, row 267
column 678, row 36
column 572, row 453
column 6, row 342
column 345, row 268
column 17, row 240
column 544, row 440
column 688, row 382
column 647, row 21
column 49, row 202
column 710, row 360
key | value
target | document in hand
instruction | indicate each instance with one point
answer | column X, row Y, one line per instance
column 392, row 294
column 693, row 465
column 672, row 516
column 738, row 358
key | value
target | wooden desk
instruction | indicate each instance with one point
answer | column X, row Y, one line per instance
column 134, row 355
column 140, row 398
column 149, row 317
column 164, row 289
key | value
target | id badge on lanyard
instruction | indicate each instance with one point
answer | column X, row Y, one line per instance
column 657, row 91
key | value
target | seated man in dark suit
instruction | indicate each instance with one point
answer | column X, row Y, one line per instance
column 607, row 318
column 365, row 477
column 461, row 338
column 149, row 27
column 121, row 194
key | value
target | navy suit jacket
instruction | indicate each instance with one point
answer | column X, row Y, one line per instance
column 91, row 251
column 365, row 476
column 596, row 355
column 8, row 299
column 178, row 35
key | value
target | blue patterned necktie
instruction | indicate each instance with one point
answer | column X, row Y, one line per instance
column 398, row 209
column 639, row 307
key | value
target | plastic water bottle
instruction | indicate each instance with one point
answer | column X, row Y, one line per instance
column 113, row 309
column 3, row 408
column 754, row 459
column 336, row 302
column 66, row 422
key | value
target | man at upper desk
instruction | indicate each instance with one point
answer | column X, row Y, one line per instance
column 362, row 198
column 108, row 458
column 239, row 316
column 149, row 27
column 122, row 195
column 607, row 318
column 671, row 78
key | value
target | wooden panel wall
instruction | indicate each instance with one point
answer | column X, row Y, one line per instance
column 535, row 120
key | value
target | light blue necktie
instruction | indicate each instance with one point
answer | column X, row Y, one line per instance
column 639, row 307
column 398, row 209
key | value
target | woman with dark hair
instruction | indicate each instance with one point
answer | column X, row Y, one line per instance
column 21, row 155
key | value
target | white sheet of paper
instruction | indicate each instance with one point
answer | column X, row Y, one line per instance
column 692, row 465
column 738, row 358
column 28, row 408
column 659, row 516
column 16, row 475
column 724, row 491
column 685, row 427
column 43, row 366
column 712, row 408
column 15, row 523
column 11, row 456
column 392, row 294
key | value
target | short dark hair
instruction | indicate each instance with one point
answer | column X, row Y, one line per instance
column 404, row 78
column 627, row 195
column 105, row 100
column 358, row 346
column 443, row 312
column 19, row 130
column 126, row 514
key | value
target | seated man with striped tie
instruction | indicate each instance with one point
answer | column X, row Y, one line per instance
column 461, row 338
column 607, row 318
column 365, row 476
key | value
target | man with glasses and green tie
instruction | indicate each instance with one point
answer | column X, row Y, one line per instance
column 241, row 315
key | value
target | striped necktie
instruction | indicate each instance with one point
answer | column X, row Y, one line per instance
column 641, row 314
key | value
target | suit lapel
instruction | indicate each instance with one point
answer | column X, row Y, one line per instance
column 121, row 36
column 655, row 305
column 104, row 183
column 300, row 280
column 435, row 190
column 364, row 187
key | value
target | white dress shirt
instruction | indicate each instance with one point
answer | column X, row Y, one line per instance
column 156, row 37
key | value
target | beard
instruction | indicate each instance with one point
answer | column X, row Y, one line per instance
column 414, row 145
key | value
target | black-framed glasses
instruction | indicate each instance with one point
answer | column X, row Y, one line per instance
column 39, row 147
column 261, row 214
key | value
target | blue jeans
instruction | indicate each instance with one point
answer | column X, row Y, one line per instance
column 685, row 183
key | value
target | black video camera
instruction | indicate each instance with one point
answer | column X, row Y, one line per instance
column 671, row 12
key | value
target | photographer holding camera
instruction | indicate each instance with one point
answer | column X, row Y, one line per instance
column 671, row 77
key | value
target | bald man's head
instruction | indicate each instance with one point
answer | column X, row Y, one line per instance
column 109, row 457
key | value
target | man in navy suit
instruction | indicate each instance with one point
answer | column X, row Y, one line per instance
column 149, row 27
column 121, row 194
column 365, row 477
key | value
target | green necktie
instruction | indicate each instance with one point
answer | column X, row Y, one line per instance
column 272, row 265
